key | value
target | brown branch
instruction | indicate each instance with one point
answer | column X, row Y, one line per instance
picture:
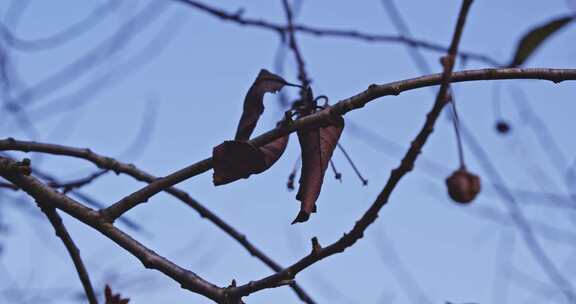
column 515, row 212
column 8, row 186
column 302, row 76
column 73, row 251
column 371, row 214
column 328, row 32
column 234, row 17
column 111, row 164
column 78, row 183
column 150, row 259
column 342, row 107
column 86, row 199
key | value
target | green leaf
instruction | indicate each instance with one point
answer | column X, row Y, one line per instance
column 535, row 37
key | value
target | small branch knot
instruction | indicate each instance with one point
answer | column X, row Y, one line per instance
column 316, row 248
column 21, row 167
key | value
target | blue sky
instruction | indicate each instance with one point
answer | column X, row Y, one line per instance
column 188, row 99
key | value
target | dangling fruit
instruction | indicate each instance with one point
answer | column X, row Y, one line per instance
column 463, row 186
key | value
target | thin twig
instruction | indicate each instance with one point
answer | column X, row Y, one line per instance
column 120, row 71
column 349, row 159
column 78, row 183
column 71, row 32
column 337, row 175
column 456, row 125
column 399, row 270
column 73, row 251
column 8, row 186
column 302, row 75
column 94, row 57
column 540, row 129
column 329, row 32
column 402, row 27
column 88, row 200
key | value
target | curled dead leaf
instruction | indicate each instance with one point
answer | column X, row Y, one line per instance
column 265, row 82
column 237, row 159
column 234, row 160
column 317, row 146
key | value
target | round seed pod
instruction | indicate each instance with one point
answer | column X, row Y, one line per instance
column 463, row 186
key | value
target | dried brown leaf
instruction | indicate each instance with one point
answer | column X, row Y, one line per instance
column 239, row 159
column 532, row 40
column 317, row 146
column 266, row 82
column 272, row 151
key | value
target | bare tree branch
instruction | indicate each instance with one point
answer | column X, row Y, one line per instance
column 327, row 32
column 514, row 210
column 302, row 75
column 111, row 164
column 318, row 253
column 78, row 183
column 342, row 107
column 73, row 251
column 11, row 171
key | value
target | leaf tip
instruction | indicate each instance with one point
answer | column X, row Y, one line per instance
column 302, row 217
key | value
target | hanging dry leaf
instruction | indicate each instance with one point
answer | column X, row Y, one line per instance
column 112, row 298
column 253, row 103
column 239, row 159
column 272, row 151
column 535, row 37
column 317, row 147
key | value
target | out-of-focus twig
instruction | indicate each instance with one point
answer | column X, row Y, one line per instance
column 517, row 214
column 292, row 43
column 69, row 33
column 95, row 56
column 328, row 32
column 113, row 76
column 399, row 269
column 78, row 183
